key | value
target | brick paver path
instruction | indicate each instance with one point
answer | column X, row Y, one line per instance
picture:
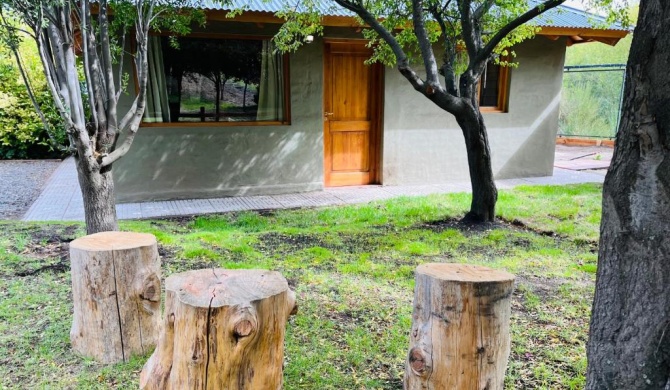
column 61, row 199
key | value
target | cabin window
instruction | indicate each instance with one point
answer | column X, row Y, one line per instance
column 215, row 81
column 493, row 88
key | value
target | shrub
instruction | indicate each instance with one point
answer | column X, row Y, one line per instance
column 22, row 134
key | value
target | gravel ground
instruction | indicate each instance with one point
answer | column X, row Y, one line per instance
column 21, row 183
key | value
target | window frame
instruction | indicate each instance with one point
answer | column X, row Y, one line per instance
column 205, row 35
column 502, row 105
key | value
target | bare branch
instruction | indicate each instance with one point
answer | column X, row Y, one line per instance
column 471, row 29
column 131, row 121
column 85, row 26
column 52, row 83
column 449, row 56
column 426, row 47
column 106, row 138
column 120, row 61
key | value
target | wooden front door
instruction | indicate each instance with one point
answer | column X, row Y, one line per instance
column 352, row 104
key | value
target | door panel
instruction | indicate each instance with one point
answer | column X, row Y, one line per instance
column 352, row 101
column 351, row 151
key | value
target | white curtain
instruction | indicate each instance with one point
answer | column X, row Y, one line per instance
column 271, row 85
column 157, row 109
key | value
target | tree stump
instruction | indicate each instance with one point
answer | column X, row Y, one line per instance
column 460, row 328
column 116, row 292
column 223, row 329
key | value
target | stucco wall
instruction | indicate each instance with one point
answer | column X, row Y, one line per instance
column 201, row 162
column 423, row 144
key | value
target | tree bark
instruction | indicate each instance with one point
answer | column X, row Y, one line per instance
column 116, row 295
column 460, row 328
column 223, row 329
column 484, row 191
column 97, row 190
column 629, row 344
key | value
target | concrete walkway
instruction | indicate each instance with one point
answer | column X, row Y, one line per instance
column 61, row 199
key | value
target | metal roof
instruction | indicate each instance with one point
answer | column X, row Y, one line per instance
column 561, row 16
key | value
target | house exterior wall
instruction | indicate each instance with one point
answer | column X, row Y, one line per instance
column 424, row 145
column 421, row 143
column 206, row 162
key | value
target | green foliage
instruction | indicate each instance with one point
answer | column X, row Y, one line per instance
column 22, row 134
column 590, row 100
column 300, row 22
column 590, row 104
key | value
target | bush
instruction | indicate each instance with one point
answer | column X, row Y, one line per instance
column 590, row 105
column 22, row 134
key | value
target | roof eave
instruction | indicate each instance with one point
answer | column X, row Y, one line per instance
column 575, row 35
column 583, row 35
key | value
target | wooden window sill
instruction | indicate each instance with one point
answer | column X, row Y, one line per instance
column 491, row 110
column 214, row 124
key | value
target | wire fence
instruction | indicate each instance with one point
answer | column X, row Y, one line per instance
column 591, row 101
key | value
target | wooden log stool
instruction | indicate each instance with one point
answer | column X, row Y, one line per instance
column 460, row 328
column 116, row 292
column 222, row 329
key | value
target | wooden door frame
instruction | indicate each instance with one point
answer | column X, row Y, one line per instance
column 376, row 107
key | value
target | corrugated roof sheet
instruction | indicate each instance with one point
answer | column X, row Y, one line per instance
column 561, row 16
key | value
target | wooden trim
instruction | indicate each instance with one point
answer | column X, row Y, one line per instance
column 378, row 123
column 327, row 93
column 286, row 79
column 271, row 18
column 502, row 106
column 214, row 35
column 351, row 126
column 575, row 141
column 213, row 124
column 591, row 32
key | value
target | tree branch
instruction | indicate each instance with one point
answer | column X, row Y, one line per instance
column 526, row 17
column 471, row 35
column 426, row 48
column 483, row 9
column 440, row 98
column 449, row 56
column 131, row 121
column 85, row 27
column 106, row 138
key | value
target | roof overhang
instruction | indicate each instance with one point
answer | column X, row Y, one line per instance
column 574, row 35
column 583, row 35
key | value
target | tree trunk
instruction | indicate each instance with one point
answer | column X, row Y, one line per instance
column 629, row 344
column 484, row 192
column 116, row 293
column 223, row 329
column 460, row 328
column 97, row 190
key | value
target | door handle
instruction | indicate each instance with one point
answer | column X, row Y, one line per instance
column 328, row 113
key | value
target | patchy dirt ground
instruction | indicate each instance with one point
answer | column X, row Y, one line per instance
column 354, row 279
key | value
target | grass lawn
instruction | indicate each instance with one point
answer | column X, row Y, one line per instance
column 352, row 268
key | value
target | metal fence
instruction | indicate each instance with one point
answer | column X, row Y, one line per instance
column 591, row 100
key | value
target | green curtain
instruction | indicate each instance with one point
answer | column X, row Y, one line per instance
column 157, row 109
column 271, row 85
